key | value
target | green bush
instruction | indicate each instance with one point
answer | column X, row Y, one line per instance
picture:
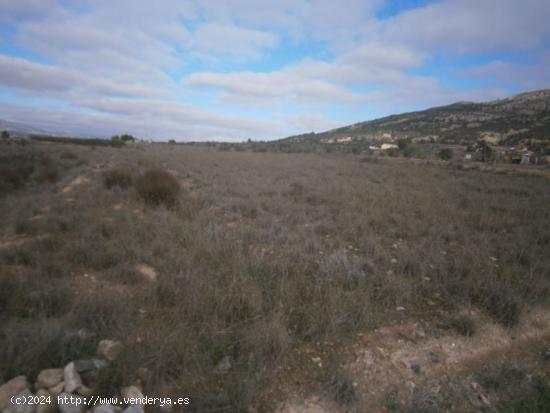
column 446, row 154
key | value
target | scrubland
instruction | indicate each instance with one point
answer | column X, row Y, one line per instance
column 261, row 263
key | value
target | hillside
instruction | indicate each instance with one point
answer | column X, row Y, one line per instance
column 504, row 121
column 18, row 129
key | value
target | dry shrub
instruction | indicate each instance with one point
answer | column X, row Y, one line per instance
column 338, row 386
column 120, row 177
column 29, row 348
column 68, row 155
column 46, row 171
column 502, row 305
column 157, row 186
column 14, row 172
column 342, row 268
column 462, row 324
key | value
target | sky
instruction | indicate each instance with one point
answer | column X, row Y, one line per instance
column 253, row 69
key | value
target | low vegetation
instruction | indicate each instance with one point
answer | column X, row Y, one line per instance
column 158, row 186
column 121, row 177
column 268, row 254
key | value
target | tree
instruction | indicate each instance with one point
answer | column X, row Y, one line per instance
column 403, row 142
column 484, row 150
column 446, row 154
column 5, row 134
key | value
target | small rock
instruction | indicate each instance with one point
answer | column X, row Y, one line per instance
column 12, row 388
column 71, row 378
column 317, row 360
column 131, row 392
column 57, row 389
column 224, row 364
column 46, row 407
column 400, row 308
column 83, row 333
column 148, row 272
column 49, row 378
column 109, row 349
column 69, row 403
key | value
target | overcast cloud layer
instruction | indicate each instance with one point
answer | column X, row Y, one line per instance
column 239, row 69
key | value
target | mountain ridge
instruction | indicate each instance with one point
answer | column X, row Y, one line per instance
column 501, row 121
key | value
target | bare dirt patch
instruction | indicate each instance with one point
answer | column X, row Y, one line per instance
column 79, row 180
column 394, row 363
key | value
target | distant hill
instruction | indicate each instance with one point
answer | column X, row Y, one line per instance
column 19, row 129
column 25, row 130
column 503, row 121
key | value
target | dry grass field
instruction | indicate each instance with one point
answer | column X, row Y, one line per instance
column 258, row 282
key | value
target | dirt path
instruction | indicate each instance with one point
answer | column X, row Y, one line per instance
column 409, row 363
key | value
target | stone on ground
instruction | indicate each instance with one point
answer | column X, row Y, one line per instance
column 109, row 349
column 12, row 388
column 49, row 378
column 71, row 378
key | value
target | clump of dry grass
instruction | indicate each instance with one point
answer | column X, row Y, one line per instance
column 68, row 155
column 157, row 186
column 14, row 172
column 21, row 167
column 46, row 171
column 338, row 386
column 462, row 324
column 121, row 177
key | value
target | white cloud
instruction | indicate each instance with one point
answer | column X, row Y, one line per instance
column 319, row 82
column 121, row 61
column 284, row 84
column 159, row 121
column 461, row 26
column 222, row 40
column 13, row 9
column 527, row 76
column 22, row 74
column 43, row 79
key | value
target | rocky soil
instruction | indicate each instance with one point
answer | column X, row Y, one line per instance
column 69, row 389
